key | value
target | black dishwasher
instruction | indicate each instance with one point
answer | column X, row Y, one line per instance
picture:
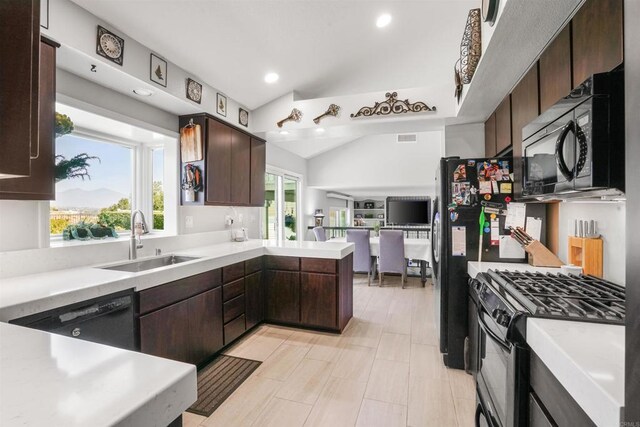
column 108, row 319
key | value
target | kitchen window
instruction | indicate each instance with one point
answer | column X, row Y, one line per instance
column 108, row 174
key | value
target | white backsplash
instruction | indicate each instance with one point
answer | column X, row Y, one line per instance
column 611, row 225
column 76, row 254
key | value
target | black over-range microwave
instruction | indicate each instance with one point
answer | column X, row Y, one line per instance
column 576, row 148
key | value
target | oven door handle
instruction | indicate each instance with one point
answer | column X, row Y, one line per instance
column 489, row 332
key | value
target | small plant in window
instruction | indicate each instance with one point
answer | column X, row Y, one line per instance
column 77, row 166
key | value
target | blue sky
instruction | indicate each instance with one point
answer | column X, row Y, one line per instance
column 113, row 171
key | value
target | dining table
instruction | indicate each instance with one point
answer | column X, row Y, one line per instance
column 414, row 249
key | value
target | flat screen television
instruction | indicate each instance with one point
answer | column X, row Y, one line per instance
column 407, row 211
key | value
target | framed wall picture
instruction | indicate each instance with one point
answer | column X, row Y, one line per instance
column 158, row 70
column 194, row 91
column 110, row 46
column 243, row 117
column 221, row 105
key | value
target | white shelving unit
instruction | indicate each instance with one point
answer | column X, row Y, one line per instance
column 369, row 217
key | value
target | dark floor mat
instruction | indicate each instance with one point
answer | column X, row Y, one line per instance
column 218, row 380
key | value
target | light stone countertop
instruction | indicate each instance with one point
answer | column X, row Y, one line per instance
column 587, row 358
column 53, row 380
column 48, row 379
column 25, row 295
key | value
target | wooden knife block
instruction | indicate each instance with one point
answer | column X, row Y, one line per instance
column 540, row 256
column 586, row 253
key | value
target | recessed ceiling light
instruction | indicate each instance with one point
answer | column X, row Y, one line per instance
column 383, row 20
column 143, row 92
column 271, row 77
column 320, row 130
column 284, row 132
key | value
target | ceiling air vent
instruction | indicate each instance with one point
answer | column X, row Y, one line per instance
column 407, row 138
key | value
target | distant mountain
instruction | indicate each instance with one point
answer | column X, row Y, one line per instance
column 89, row 199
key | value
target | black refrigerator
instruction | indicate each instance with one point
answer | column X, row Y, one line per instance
column 463, row 188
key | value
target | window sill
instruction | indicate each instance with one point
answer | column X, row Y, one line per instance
column 58, row 242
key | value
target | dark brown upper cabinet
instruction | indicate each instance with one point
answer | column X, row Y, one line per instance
column 40, row 184
column 233, row 167
column 524, row 109
column 490, row 136
column 555, row 70
column 597, row 35
column 258, row 159
column 503, row 125
column 240, row 168
column 218, row 162
column 19, row 56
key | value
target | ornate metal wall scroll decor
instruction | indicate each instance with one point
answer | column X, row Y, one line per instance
column 393, row 105
column 470, row 47
column 295, row 116
column 333, row 110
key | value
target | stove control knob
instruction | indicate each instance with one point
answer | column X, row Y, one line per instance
column 501, row 317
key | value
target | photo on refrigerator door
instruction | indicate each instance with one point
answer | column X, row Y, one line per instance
column 494, row 171
column 461, row 193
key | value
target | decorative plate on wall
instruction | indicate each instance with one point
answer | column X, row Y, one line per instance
column 489, row 11
column 194, row 91
column 110, row 45
column 243, row 117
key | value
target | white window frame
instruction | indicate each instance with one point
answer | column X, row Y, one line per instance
column 142, row 182
column 281, row 174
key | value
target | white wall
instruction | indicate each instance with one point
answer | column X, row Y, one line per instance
column 377, row 165
column 75, row 29
column 211, row 218
column 283, row 159
column 611, row 224
column 466, row 141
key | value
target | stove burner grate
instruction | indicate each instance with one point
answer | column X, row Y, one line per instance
column 565, row 296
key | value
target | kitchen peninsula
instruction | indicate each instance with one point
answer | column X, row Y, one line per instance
column 295, row 273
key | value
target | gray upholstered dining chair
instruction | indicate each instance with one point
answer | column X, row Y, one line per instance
column 362, row 260
column 321, row 235
column 392, row 254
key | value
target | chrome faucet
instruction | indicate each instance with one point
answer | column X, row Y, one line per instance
column 135, row 244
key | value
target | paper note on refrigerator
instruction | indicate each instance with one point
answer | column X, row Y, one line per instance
column 495, row 232
column 516, row 215
column 459, row 241
column 509, row 248
column 534, row 227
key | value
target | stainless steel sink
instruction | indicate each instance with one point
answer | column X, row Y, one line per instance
column 148, row 264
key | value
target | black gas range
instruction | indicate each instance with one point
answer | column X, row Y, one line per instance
column 503, row 302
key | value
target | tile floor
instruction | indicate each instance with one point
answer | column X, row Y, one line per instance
column 384, row 370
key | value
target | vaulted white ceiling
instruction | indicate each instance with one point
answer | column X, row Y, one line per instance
column 320, row 48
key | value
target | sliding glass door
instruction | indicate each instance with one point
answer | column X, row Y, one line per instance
column 282, row 205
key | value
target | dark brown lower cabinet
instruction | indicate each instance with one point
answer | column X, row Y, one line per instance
column 282, row 291
column 205, row 337
column 254, row 299
column 318, row 300
column 549, row 402
column 188, row 331
column 309, row 292
column 165, row 333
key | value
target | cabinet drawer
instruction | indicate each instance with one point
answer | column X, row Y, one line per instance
column 232, row 290
column 282, row 263
column 252, row 265
column 233, row 329
column 232, row 272
column 170, row 293
column 233, row 308
column 318, row 265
